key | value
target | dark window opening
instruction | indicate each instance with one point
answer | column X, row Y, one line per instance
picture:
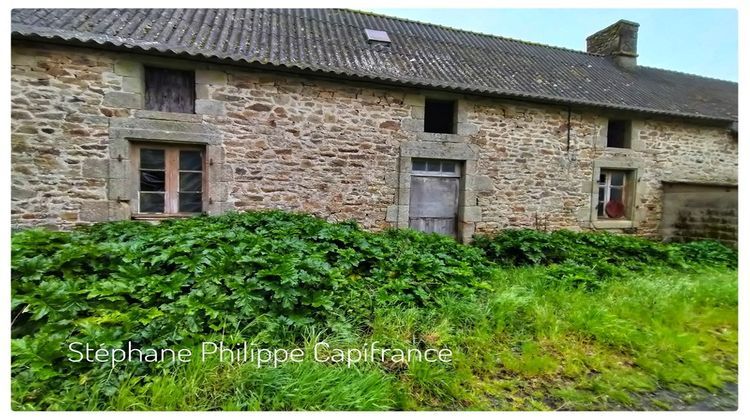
column 618, row 134
column 169, row 90
column 439, row 116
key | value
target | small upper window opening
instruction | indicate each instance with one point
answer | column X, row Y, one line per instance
column 170, row 90
column 374, row 35
column 439, row 116
column 618, row 134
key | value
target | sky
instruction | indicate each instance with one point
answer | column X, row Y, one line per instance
column 696, row 41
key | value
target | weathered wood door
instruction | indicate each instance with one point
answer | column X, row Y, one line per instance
column 433, row 199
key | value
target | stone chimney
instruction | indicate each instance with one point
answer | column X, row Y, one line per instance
column 618, row 41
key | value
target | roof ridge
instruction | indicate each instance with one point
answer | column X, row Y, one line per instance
column 521, row 41
column 395, row 53
column 505, row 38
column 684, row 73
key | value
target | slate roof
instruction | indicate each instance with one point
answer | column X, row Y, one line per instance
column 424, row 55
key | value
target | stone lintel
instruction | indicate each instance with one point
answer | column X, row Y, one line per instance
column 437, row 150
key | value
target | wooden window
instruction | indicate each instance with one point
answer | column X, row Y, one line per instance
column 618, row 134
column 614, row 194
column 169, row 90
column 439, row 116
column 171, row 180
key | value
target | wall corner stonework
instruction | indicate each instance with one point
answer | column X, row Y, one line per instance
column 206, row 83
column 636, row 127
column 209, row 107
column 117, row 99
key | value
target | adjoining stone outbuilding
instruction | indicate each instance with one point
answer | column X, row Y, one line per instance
column 154, row 113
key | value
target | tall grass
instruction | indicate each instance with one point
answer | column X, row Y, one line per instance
column 528, row 345
column 304, row 386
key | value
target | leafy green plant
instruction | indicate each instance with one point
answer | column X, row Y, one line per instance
column 586, row 277
column 707, row 253
column 535, row 320
column 523, row 247
column 182, row 281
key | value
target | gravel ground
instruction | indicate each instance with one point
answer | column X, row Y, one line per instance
column 724, row 399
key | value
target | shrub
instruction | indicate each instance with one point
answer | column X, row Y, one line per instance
column 708, row 253
column 522, row 247
column 578, row 276
column 265, row 275
column 587, row 259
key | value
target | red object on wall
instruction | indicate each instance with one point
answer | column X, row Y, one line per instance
column 615, row 209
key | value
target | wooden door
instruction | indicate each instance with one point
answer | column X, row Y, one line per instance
column 433, row 200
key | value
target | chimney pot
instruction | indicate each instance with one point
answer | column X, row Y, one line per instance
column 618, row 41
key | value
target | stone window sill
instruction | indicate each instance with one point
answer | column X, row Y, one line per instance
column 613, row 224
column 157, row 216
column 169, row 116
column 441, row 137
column 619, row 151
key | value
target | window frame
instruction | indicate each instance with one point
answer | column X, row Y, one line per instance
column 626, row 193
column 171, row 179
column 441, row 172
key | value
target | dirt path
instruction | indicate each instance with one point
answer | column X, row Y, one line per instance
column 724, row 399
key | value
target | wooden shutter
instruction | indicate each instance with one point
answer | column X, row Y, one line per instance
column 169, row 90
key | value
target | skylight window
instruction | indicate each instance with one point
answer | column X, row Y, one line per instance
column 373, row 35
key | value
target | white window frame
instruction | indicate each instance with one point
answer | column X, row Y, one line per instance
column 633, row 168
column 453, row 173
column 626, row 194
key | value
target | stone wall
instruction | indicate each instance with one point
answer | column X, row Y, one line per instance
column 315, row 147
column 699, row 211
column 537, row 181
column 337, row 149
column 59, row 136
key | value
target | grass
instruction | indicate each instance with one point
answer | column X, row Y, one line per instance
column 527, row 346
column 304, row 386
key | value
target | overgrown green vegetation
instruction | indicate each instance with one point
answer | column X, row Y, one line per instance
column 534, row 320
column 589, row 259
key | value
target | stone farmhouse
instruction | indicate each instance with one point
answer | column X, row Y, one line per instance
column 156, row 113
